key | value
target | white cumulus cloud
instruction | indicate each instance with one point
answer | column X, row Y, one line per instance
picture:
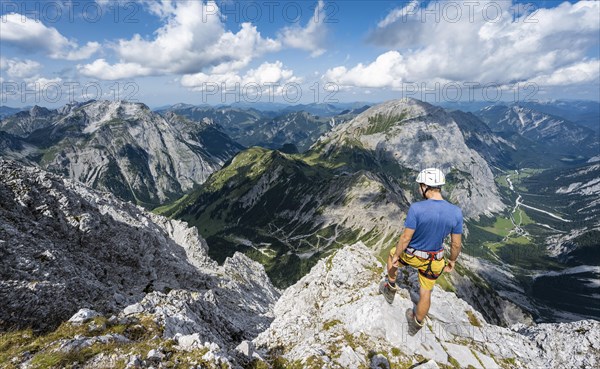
column 192, row 39
column 43, row 83
column 16, row 68
column 487, row 43
column 100, row 69
column 380, row 73
column 33, row 36
column 312, row 37
column 584, row 72
column 266, row 76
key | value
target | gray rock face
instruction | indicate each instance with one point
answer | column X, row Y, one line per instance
column 428, row 365
column 543, row 129
column 575, row 345
column 479, row 137
column 335, row 316
column 418, row 135
column 59, row 238
column 81, row 342
column 120, row 147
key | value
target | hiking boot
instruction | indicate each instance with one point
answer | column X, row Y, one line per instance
column 413, row 325
column 387, row 290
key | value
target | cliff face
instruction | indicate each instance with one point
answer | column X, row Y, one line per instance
column 120, row 147
column 65, row 247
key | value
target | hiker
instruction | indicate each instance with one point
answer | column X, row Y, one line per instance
column 427, row 224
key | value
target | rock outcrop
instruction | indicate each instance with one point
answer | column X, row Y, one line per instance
column 335, row 318
column 64, row 247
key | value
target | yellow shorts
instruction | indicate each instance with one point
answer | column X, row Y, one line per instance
column 437, row 267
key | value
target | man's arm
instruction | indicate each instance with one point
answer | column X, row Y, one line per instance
column 392, row 261
column 402, row 244
column 455, row 247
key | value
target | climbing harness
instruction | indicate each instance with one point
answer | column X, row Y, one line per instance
column 429, row 257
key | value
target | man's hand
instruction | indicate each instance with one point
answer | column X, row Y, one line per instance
column 450, row 266
column 395, row 261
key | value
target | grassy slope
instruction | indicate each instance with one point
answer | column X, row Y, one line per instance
column 304, row 185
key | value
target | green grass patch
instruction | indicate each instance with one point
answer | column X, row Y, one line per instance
column 330, row 324
column 454, row 362
column 501, row 181
column 473, row 319
column 521, row 240
column 381, row 123
column 60, row 359
column 44, row 352
column 501, row 227
column 444, row 284
column 329, row 263
column 168, row 209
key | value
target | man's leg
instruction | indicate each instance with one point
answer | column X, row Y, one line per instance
column 388, row 287
column 423, row 304
column 392, row 271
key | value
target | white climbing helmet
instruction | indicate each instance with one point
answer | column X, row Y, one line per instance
column 431, row 177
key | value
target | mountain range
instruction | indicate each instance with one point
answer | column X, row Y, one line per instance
column 269, row 129
column 120, row 147
column 292, row 190
column 547, row 133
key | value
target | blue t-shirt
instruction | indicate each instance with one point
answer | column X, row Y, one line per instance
column 433, row 221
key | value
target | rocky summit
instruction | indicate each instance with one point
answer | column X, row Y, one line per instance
column 88, row 281
column 335, row 318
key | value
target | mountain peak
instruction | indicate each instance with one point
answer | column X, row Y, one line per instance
column 181, row 106
column 418, row 135
column 100, row 112
column 124, row 104
column 410, row 107
column 38, row 111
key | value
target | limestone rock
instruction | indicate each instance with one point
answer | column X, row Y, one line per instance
column 335, row 312
column 83, row 316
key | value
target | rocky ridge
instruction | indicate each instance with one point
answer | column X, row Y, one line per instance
column 66, row 247
column 335, row 318
column 272, row 130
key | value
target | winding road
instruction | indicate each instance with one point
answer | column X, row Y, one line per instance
column 519, row 202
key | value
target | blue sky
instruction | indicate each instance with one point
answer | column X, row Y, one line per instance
column 165, row 52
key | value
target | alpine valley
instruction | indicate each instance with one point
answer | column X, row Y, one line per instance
column 239, row 237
